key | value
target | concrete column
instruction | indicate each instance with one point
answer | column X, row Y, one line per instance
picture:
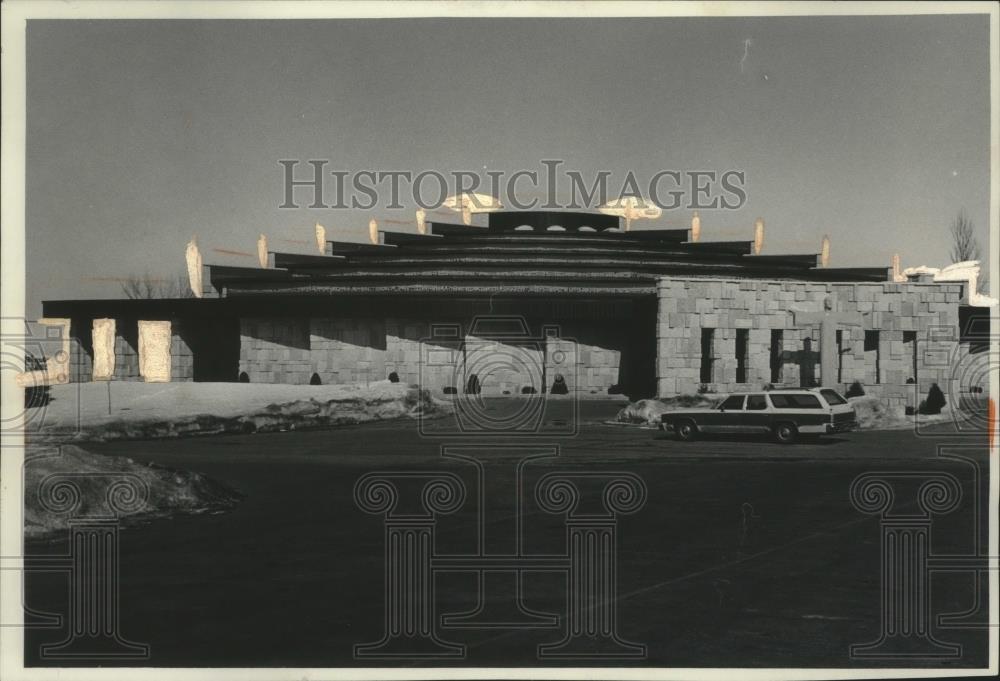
column 103, row 333
column 154, row 351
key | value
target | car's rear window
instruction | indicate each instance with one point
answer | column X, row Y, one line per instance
column 832, row 396
column 795, row 401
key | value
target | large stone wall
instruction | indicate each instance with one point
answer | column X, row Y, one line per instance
column 504, row 368
column 589, row 361
column 402, row 349
column 916, row 325
column 901, row 313
column 439, row 357
column 275, row 350
column 347, row 350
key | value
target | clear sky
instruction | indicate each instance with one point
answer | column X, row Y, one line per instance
column 140, row 133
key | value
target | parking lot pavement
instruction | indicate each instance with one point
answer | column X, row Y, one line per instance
column 744, row 554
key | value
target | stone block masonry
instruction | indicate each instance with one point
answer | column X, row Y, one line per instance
column 275, row 350
column 439, row 357
column 347, row 350
column 402, row 350
column 588, row 358
column 330, row 350
column 895, row 351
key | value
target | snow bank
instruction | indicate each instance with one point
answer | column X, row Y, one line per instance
column 168, row 491
column 648, row 412
column 873, row 414
column 127, row 410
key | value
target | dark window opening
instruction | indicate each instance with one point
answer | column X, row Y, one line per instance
column 315, row 380
column 910, row 344
column 472, row 386
column 872, row 358
column 840, row 356
column 742, row 345
column 244, row 377
column 777, row 342
column 707, row 354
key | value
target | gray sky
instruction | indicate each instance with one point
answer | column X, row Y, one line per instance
column 142, row 133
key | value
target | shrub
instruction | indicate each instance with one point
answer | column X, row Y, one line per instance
column 855, row 390
column 935, row 401
column 559, row 386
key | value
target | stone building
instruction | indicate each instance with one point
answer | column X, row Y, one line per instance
column 507, row 307
column 723, row 335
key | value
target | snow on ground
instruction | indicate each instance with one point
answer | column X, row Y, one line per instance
column 874, row 415
column 127, row 409
column 648, row 412
column 55, row 475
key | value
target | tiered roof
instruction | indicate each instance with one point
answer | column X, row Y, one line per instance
column 534, row 253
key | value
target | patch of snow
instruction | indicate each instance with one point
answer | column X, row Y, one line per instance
column 167, row 491
column 126, row 410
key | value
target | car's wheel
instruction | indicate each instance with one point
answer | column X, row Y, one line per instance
column 686, row 430
column 786, row 433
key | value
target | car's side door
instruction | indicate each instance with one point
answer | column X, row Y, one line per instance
column 758, row 414
column 727, row 418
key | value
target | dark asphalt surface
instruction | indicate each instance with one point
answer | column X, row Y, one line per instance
column 745, row 553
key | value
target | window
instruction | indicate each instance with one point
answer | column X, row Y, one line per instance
column 910, row 345
column 742, row 338
column 756, row 402
column 780, row 401
column 832, row 397
column 873, row 370
column 777, row 341
column 707, row 354
column 840, row 356
column 805, row 401
column 732, row 402
column 795, row 401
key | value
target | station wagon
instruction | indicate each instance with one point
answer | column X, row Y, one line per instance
column 785, row 414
